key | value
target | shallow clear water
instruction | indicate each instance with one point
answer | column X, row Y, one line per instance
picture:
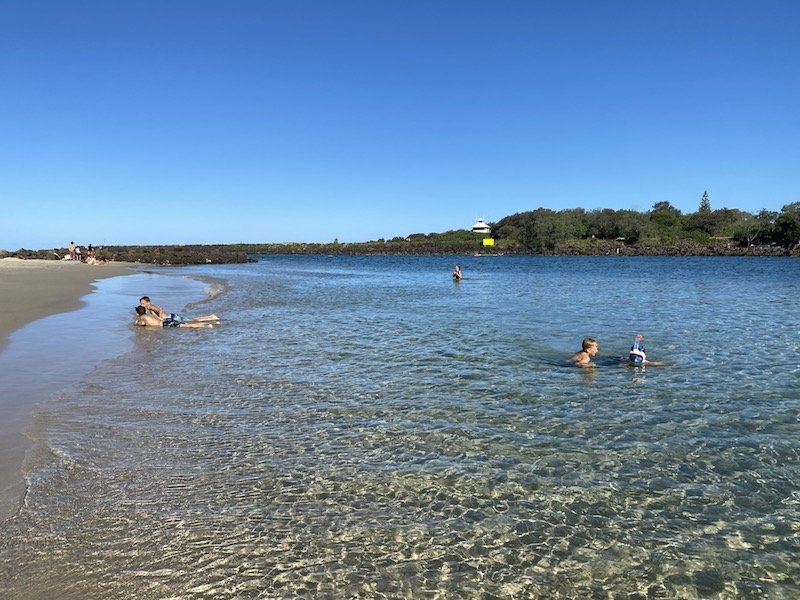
column 363, row 427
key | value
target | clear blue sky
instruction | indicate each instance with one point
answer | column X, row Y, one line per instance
column 127, row 122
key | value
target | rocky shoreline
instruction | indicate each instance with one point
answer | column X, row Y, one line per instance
column 681, row 248
column 158, row 255
column 241, row 253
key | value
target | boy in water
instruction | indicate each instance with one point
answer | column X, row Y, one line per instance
column 583, row 358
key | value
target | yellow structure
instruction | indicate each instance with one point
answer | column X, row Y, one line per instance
column 488, row 241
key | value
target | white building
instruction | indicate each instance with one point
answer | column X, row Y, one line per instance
column 480, row 226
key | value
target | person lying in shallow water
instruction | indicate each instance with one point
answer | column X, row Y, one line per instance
column 144, row 319
column 152, row 309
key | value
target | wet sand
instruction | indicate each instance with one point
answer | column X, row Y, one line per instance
column 31, row 290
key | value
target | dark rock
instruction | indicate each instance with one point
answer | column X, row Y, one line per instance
column 173, row 255
column 162, row 255
column 240, row 253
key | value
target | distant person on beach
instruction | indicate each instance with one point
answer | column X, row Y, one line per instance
column 159, row 312
column 78, row 256
column 144, row 319
column 91, row 259
column 457, row 273
column 72, row 250
column 583, row 358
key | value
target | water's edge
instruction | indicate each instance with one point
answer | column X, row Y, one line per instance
column 47, row 357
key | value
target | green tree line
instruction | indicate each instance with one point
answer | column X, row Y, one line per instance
column 663, row 229
column 577, row 230
column 545, row 230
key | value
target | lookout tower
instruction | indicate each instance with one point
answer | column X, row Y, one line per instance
column 480, row 226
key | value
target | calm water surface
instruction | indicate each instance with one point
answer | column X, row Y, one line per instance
column 363, row 427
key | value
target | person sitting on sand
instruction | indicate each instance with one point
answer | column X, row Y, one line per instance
column 159, row 312
column 583, row 358
column 457, row 273
column 144, row 319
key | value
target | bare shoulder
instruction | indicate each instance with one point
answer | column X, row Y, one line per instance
column 149, row 321
column 579, row 357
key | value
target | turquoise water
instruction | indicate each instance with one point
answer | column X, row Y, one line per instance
column 364, row 427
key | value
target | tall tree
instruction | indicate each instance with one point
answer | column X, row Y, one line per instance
column 705, row 204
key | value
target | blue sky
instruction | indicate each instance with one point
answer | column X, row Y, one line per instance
column 270, row 121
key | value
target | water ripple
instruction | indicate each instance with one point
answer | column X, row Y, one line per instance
column 350, row 434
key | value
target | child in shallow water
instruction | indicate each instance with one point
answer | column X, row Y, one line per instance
column 589, row 348
column 637, row 355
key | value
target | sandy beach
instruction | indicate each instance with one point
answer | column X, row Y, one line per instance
column 32, row 289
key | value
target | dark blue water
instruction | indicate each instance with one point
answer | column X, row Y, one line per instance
column 364, row 427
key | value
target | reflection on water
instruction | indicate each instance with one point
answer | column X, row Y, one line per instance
column 364, row 428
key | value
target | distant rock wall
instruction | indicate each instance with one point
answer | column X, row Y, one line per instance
column 221, row 254
column 159, row 255
column 680, row 248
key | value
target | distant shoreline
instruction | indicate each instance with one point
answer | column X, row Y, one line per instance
column 192, row 254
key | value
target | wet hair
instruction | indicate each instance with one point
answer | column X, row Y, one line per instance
column 588, row 343
column 140, row 310
column 147, row 298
